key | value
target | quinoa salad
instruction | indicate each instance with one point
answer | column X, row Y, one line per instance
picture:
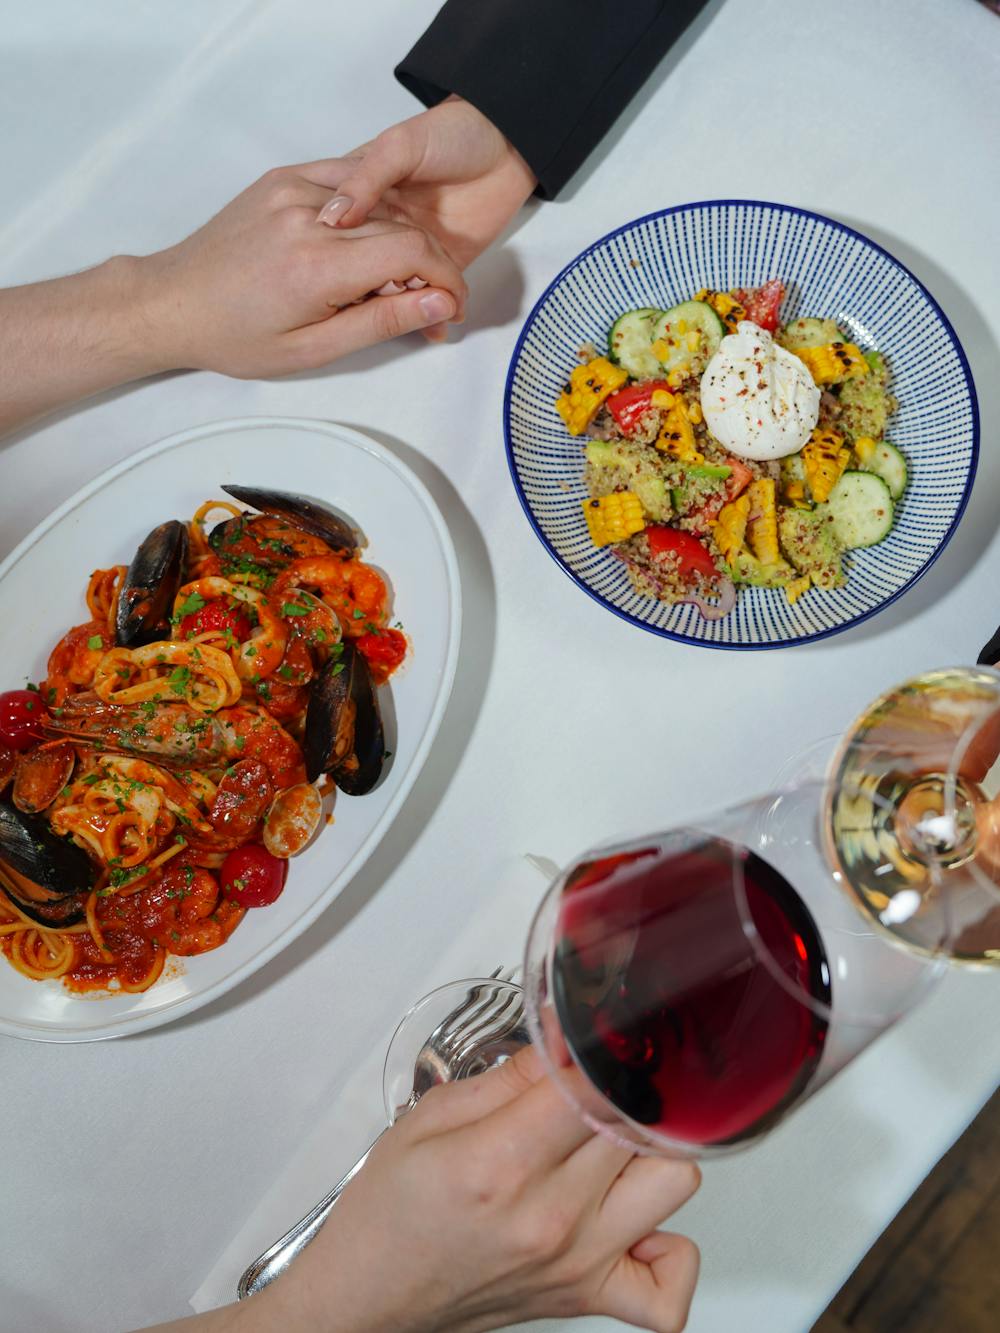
column 726, row 449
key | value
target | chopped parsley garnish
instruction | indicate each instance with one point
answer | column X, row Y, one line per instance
column 95, row 642
column 294, row 609
column 240, row 742
column 191, row 604
column 285, row 672
column 179, row 679
column 358, row 614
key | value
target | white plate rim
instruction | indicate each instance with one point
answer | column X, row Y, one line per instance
column 121, row 1027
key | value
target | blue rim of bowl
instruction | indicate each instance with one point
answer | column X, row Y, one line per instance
column 688, row 638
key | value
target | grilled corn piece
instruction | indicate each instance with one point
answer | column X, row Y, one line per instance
column 795, row 589
column 728, row 310
column 833, row 362
column 730, row 528
column 825, row 459
column 763, row 521
column 676, row 436
column 588, row 387
column 613, row 517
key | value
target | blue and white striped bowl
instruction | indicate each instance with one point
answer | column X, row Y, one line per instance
column 831, row 271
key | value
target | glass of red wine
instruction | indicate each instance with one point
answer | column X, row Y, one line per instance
column 689, row 988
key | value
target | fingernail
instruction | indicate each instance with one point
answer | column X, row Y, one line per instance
column 390, row 288
column 415, row 284
column 332, row 212
column 435, row 307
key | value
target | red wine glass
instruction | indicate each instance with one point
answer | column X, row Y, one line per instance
column 689, row 988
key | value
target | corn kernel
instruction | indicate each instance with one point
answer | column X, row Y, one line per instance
column 796, row 587
column 695, row 413
column 731, row 526
column 676, row 436
column 692, row 339
column 660, row 350
column 834, row 362
column 588, row 387
column 682, row 326
column 613, row 518
column 763, row 524
column 661, row 398
column 825, row 460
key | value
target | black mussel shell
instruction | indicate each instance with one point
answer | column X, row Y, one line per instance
column 147, row 595
column 229, row 529
column 343, row 731
column 362, row 769
column 46, row 876
column 305, row 514
column 991, row 653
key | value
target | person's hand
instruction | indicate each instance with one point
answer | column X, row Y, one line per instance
column 448, row 170
column 263, row 290
column 491, row 1203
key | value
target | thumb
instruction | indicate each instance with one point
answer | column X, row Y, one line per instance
column 373, row 321
column 653, row 1286
column 387, row 160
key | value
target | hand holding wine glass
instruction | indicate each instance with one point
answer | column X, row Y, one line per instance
column 489, row 1203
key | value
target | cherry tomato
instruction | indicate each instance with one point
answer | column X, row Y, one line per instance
column 740, row 477
column 691, row 556
column 21, row 716
column 251, row 876
column 628, row 405
column 386, row 649
column 763, row 303
column 216, row 615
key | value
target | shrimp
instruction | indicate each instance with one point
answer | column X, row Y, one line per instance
column 356, row 591
column 73, row 661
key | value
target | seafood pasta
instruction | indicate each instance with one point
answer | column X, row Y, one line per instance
column 154, row 786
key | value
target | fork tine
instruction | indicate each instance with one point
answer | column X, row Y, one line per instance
column 492, row 1032
column 463, row 1007
column 487, row 1017
column 484, row 1001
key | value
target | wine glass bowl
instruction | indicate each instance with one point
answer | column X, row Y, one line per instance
column 687, row 990
column 912, row 823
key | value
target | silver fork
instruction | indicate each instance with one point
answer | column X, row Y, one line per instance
column 444, row 1056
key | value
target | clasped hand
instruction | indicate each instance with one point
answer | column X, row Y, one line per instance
column 277, row 281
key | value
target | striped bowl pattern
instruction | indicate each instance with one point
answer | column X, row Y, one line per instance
column 830, row 271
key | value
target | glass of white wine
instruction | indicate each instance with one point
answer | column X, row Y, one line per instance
column 912, row 821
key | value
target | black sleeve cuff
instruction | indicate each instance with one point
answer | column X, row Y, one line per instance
column 552, row 75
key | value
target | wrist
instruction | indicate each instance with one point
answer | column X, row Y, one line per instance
column 148, row 287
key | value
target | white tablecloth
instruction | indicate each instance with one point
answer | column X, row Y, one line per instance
column 129, row 1165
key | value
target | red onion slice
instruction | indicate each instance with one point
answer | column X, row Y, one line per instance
column 714, row 610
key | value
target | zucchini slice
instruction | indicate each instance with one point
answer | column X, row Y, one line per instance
column 629, row 342
column 862, row 509
column 690, row 333
column 886, row 462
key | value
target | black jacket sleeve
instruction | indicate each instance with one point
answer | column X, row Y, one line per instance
column 552, row 75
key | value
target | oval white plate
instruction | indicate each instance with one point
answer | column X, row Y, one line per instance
column 42, row 586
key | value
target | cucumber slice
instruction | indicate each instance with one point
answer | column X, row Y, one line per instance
column 674, row 327
column 809, row 332
column 629, row 342
column 885, row 461
column 862, row 509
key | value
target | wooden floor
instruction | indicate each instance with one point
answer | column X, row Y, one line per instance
column 937, row 1267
